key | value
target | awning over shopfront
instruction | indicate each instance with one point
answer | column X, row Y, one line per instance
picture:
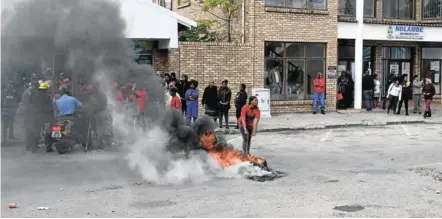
column 149, row 21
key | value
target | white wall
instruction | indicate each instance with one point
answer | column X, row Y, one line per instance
column 144, row 20
column 347, row 30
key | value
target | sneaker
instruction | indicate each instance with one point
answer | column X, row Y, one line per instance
column 322, row 112
column 314, row 113
column 407, row 114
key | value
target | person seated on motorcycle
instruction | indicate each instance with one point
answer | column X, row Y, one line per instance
column 67, row 105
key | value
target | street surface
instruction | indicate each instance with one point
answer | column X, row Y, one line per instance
column 385, row 171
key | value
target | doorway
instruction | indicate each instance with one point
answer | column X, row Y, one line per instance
column 346, row 63
column 397, row 61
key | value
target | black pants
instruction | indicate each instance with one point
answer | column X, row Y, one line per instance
column 223, row 112
column 238, row 113
column 400, row 106
column 392, row 103
column 183, row 106
column 246, row 139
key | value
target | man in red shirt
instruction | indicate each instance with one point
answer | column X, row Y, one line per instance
column 248, row 122
column 319, row 87
column 141, row 97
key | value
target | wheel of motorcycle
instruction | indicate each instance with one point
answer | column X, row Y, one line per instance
column 63, row 146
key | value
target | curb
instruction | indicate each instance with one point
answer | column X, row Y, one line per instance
column 338, row 126
column 348, row 125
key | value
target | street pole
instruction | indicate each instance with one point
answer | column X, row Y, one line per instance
column 359, row 46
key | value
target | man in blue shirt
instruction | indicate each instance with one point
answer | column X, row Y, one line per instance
column 66, row 104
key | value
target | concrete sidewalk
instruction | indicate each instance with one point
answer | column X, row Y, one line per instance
column 307, row 121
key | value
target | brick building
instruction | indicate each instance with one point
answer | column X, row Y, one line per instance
column 286, row 42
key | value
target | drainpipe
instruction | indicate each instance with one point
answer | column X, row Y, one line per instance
column 243, row 21
column 359, row 47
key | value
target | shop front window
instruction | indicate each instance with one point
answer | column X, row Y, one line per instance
column 348, row 8
column 398, row 9
column 290, row 69
column 300, row 4
column 431, row 66
column 432, row 9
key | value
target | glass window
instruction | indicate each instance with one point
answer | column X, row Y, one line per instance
column 348, row 8
column 396, row 53
column 295, row 79
column 369, row 8
column 301, row 4
column 295, row 50
column 432, row 69
column 398, row 9
column 273, row 78
column 274, row 50
column 346, row 52
column 290, row 74
column 315, row 50
column 432, row 9
column 431, row 53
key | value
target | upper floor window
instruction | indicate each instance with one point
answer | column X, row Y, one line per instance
column 300, row 4
column 432, row 9
column 348, row 8
column 398, row 9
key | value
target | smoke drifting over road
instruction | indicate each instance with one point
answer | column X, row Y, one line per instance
column 90, row 36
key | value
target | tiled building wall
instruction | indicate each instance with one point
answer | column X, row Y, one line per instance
column 294, row 25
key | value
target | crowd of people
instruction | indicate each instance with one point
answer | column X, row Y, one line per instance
column 184, row 95
column 399, row 90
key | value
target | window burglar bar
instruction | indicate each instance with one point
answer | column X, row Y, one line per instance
column 432, row 9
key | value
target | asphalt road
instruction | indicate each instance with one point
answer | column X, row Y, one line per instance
column 357, row 172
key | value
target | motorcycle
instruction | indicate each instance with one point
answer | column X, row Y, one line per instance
column 60, row 135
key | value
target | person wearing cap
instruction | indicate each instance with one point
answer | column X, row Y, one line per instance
column 9, row 103
column 42, row 106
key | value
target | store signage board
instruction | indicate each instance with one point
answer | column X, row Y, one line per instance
column 403, row 32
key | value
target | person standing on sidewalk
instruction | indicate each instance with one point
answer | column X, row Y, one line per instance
column 428, row 91
column 9, row 105
column 182, row 87
column 390, row 80
column 210, row 101
column 225, row 95
column 192, row 95
column 248, row 122
column 417, row 94
column 406, row 94
column 240, row 101
column 394, row 95
column 367, row 87
column 319, row 87
column 377, row 91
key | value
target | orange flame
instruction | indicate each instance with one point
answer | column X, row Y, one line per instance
column 226, row 157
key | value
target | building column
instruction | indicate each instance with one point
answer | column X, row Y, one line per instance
column 359, row 47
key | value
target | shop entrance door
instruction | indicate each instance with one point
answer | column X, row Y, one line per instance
column 399, row 67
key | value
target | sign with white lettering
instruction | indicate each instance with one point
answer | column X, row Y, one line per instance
column 400, row 32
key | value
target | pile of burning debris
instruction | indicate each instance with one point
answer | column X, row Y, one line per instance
column 201, row 136
column 227, row 156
